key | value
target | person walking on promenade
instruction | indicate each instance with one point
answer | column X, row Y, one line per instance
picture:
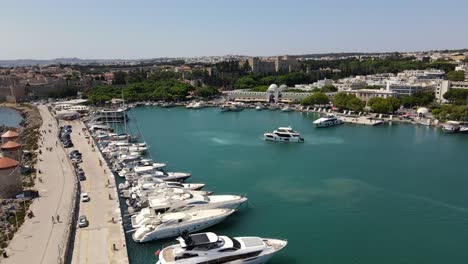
column 58, row 218
column 53, row 220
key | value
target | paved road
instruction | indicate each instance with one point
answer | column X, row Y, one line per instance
column 38, row 239
column 94, row 244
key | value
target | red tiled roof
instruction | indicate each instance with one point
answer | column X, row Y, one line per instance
column 10, row 145
column 10, row 134
column 7, row 163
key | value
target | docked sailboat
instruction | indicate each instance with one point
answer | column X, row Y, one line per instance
column 173, row 224
column 211, row 248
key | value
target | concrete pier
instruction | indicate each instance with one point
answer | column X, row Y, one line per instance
column 103, row 241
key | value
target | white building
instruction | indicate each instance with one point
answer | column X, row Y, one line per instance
column 445, row 86
column 274, row 94
column 422, row 74
column 366, row 94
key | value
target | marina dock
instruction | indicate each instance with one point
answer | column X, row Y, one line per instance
column 103, row 241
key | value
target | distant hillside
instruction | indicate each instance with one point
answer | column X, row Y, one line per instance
column 77, row 61
column 69, row 61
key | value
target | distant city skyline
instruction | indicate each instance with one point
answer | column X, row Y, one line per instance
column 150, row 29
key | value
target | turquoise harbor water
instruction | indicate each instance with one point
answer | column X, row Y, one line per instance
column 350, row 194
column 9, row 117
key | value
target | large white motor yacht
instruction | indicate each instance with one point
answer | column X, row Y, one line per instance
column 150, row 179
column 150, row 170
column 328, row 121
column 210, row 248
column 284, row 134
column 186, row 202
column 173, row 224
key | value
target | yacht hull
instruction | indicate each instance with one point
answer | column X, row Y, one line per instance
column 176, row 231
column 329, row 123
column 280, row 139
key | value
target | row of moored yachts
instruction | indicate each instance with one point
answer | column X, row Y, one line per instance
column 162, row 205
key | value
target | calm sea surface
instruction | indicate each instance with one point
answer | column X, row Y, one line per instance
column 9, row 117
column 350, row 194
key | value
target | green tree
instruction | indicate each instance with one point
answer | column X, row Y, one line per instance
column 410, row 101
column 341, row 100
column 207, row 91
column 355, row 104
column 456, row 96
column 120, row 77
column 384, row 106
column 329, row 89
column 318, row 98
column 393, row 103
column 246, row 82
column 456, row 75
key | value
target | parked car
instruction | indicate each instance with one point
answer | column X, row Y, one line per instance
column 84, row 197
column 75, row 156
column 82, row 221
column 75, row 152
column 82, row 177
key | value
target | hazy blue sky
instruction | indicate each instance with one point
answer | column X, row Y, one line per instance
column 153, row 28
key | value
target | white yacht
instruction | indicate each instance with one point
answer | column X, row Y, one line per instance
column 273, row 107
column 451, row 127
column 236, row 107
column 148, row 166
column 284, row 134
column 198, row 105
column 211, row 248
column 259, row 107
column 225, row 107
column 328, row 121
column 190, row 105
column 173, row 224
column 286, row 109
column 139, row 199
column 150, row 170
column 165, row 176
column 189, row 202
column 153, row 180
column 464, row 129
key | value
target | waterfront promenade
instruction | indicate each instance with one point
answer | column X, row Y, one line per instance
column 95, row 243
column 39, row 240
